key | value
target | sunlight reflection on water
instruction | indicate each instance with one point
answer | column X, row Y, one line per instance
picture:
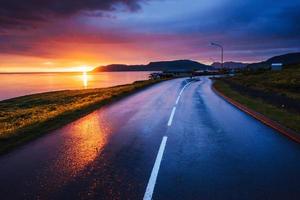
column 85, row 79
column 23, row 84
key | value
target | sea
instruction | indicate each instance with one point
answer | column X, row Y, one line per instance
column 20, row 84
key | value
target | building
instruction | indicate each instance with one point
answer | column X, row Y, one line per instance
column 276, row 66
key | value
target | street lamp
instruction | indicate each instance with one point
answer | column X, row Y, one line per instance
column 222, row 51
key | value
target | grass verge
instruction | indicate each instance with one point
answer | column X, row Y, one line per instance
column 281, row 115
column 25, row 118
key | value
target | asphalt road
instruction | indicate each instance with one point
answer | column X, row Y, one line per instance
column 174, row 140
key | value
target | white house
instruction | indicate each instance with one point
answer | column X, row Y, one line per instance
column 276, row 66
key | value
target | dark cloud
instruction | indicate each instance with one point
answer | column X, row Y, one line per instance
column 255, row 18
column 270, row 26
column 24, row 13
column 249, row 30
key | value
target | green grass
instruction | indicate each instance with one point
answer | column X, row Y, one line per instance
column 280, row 115
column 25, row 118
column 285, row 82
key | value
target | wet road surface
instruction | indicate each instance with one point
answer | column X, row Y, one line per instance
column 174, row 140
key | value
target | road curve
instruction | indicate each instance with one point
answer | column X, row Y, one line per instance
column 174, row 140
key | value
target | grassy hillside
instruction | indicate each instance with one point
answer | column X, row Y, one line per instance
column 274, row 94
column 285, row 82
column 27, row 117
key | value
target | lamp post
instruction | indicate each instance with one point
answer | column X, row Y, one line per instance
column 222, row 51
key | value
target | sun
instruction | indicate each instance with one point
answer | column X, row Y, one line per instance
column 83, row 69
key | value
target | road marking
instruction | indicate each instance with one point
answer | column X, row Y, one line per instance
column 184, row 88
column 181, row 91
column 152, row 181
column 177, row 100
column 171, row 116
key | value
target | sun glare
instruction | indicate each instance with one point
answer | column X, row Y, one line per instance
column 83, row 69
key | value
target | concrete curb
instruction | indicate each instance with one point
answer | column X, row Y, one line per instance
column 275, row 125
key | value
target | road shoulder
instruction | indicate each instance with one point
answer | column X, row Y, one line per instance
column 220, row 90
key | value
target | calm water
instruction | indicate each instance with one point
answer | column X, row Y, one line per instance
column 14, row 85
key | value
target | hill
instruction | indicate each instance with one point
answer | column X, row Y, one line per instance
column 175, row 65
column 119, row 67
column 230, row 65
column 286, row 59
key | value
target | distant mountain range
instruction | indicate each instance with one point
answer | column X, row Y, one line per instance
column 190, row 65
column 286, row 59
column 175, row 65
column 229, row 65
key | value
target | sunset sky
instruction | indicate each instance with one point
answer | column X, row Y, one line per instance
column 66, row 35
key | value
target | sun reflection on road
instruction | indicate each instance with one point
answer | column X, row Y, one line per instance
column 84, row 142
column 89, row 138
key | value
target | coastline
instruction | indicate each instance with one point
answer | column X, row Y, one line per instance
column 32, row 130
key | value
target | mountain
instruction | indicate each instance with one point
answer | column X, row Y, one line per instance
column 286, row 59
column 120, row 67
column 175, row 65
column 230, row 65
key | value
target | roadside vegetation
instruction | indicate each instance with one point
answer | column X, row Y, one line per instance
column 27, row 117
column 275, row 94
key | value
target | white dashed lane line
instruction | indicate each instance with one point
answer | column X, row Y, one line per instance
column 171, row 116
column 152, row 181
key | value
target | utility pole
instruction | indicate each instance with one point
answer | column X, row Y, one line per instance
column 222, row 52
